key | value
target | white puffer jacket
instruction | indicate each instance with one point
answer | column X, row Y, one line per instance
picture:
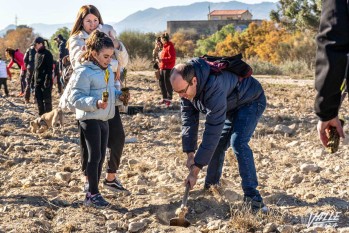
column 76, row 43
column 3, row 71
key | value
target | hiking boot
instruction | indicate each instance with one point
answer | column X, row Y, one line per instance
column 86, row 187
column 96, row 201
column 114, row 185
column 256, row 205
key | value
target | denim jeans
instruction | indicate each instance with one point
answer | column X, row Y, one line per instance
column 237, row 132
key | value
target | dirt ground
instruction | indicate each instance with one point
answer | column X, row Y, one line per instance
column 41, row 186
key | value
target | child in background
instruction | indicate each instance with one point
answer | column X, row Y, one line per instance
column 3, row 76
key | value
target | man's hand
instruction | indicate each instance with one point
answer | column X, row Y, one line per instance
column 190, row 160
column 101, row 104
column 192, row 177
column 324, row 126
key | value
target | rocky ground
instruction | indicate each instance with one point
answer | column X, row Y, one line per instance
column 41, row 187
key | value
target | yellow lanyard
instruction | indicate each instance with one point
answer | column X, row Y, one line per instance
column 106, row 78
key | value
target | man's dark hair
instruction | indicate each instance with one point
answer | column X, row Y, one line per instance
column 186, row 70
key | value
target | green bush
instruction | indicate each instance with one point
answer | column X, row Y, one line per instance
column 138, row 43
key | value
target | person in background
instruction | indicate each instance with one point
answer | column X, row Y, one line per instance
column 29, row 58
column 92, row 79
column 88, row 20
column 156, row 53
column 167, row 59
column 62, row 50
column 17, row 57
column 332, row 64
column 43, row 64
column 56, row 76
column 233, row 109
column 4, row 74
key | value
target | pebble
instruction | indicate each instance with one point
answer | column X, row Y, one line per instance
column 270, row 227
column 136, row 226
column 306, row 168
column 64, row 176
column 214, row 225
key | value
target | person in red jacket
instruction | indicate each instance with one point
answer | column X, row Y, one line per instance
column 167, row 61
column 17, row 57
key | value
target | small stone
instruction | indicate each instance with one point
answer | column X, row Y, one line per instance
column 30, row 214
column 214, row 225
column 283, row 129
column 127, row 215
column 292, row 144
column 270, row 227
column 163, row 118
column 64, row 176
column 309, row 196
column 112, row 226
column 306, row 168
column 146, row 221
column 131, row 140
column 296, row 179
column 164, row 177
column 132, row 162
column 75, row 189
column 337, row 168
column 136, row 226
column 231, row 196
column 285, row 229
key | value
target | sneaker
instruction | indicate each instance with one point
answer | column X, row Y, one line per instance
column 96, row 201
column 114, row 185
column 256, row 205
column 86, row 187
column 20, row 94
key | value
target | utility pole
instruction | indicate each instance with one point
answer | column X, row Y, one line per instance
column 209, row 11
column 16, row 19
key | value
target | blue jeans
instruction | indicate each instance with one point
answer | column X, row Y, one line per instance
column 237, row 132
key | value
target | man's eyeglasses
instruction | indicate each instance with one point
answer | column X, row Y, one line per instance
column 183, row 91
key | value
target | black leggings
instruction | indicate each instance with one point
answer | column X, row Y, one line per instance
column 116, row 142
column 3, row 81
column 96, row 139
column 165, row 84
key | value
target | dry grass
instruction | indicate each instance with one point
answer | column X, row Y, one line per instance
column 139, row 64
column 244, row 220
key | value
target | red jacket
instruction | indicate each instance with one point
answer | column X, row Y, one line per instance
column 19, row 59
column 167, row 56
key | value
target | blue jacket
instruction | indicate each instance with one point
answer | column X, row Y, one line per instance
column 88, row 87
column 217, row 97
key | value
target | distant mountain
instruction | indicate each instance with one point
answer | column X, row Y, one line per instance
column 154, row 20
column 9, row 27
column 47, row 30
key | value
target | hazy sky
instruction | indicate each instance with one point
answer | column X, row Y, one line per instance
column 65, row 11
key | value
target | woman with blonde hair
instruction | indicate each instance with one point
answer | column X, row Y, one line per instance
column 87, row 21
